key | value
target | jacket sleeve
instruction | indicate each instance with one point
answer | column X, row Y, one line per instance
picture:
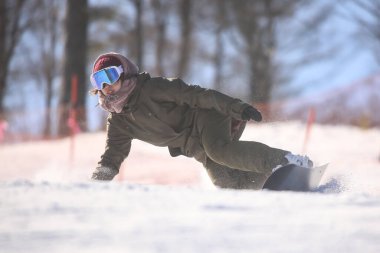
column 176, row 90
column 118, row 144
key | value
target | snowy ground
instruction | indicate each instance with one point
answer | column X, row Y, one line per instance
column 163, row 204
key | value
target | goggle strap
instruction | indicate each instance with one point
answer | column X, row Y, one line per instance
column 119, row 69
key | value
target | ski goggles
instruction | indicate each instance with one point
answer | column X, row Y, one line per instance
column 107, row 75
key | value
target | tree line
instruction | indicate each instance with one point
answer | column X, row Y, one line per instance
column 238, row 44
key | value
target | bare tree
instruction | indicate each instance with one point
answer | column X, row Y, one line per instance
column 48, row 33
column 105, row 18
column 74, row 65
column 302, row 37
column 259, row 28
column 368, row 24
column 255, row 22
column 185, row 10
column 210, row 22
column 15, row 18
column 161, row 22
column 139, row 46
column 221, row 25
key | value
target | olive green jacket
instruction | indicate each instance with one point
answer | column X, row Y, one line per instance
column 163, row 112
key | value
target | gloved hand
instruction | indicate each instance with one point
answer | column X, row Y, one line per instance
column 104, row 173
column 251, row 113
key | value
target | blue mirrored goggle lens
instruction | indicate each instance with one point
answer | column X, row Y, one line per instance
column 107, row 75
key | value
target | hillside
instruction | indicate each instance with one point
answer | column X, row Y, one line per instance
column 356, row 104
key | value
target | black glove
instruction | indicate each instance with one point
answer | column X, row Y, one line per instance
column 104, row 173
column 251, row 113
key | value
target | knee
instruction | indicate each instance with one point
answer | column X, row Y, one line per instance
column 216, row 150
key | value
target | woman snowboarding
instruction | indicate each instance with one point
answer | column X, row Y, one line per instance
column 191, row 121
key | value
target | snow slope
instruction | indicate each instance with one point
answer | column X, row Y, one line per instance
column 163, row 204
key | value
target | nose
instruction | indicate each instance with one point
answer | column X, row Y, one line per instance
column 107, row 89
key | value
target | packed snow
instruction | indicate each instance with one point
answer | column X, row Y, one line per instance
column 164, row 204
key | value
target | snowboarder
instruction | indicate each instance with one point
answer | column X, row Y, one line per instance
column 191, row 121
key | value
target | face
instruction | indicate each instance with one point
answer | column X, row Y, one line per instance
column 111, row 89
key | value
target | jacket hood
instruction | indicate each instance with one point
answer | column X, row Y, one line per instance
column 115, row 102
column 129, row 67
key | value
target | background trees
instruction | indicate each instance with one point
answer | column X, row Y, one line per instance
column 249, row 49
column 74, row 90
column 16, row 17
column 367, row 24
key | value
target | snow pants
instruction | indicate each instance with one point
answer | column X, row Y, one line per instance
column 231, row 163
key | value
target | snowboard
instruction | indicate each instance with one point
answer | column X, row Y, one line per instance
column 292, row 177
